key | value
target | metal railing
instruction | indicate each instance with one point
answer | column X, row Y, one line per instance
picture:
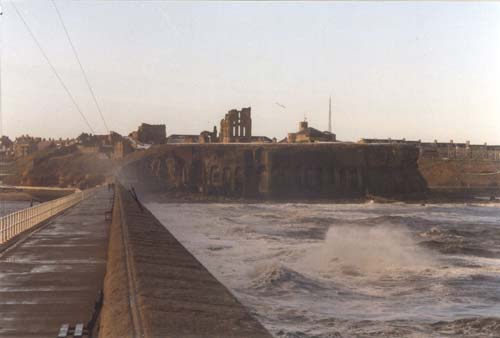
column 15, row 223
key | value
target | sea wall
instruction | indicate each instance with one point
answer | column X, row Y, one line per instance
column 154, row 287
column 278, row 170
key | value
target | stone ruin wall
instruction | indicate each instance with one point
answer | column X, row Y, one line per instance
column 236, row 126
column 151, row 133
column 279, row 171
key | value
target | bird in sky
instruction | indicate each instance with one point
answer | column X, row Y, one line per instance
column 279, row 104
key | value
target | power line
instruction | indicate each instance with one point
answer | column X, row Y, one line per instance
column 53, row 68
column 2, row 159
column 1, row 49
column 81, row 67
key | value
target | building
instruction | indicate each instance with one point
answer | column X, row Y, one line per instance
column 44, row 145
column 183, row 138
column 25, row 145
column 150, row 134
column 90, row 144
column 308, row 134
column 122, row 148
column 388, row 140
column 209, row 136
column 445, row 150
column 6, row 149
column 23, row 149
column 6, row 143
column 102, row 144
column 236, row 126
column 114, row 137
column 262, row 139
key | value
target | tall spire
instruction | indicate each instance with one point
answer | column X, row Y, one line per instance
column 330, row 115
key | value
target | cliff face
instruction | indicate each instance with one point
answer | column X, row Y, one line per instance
column 278, row 170
column 66, row 167
column 461, row 173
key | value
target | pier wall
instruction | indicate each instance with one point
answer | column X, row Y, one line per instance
column 279, row 170
column 155, row 288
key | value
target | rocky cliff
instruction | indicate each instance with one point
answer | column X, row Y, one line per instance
column 65, row 167
column 461, row 173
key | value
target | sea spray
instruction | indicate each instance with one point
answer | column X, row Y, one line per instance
column 367, row 249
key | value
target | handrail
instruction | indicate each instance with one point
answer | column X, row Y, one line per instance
column 13, row 224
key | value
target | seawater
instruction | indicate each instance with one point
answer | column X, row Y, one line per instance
column 352, row 270
column 8, row 207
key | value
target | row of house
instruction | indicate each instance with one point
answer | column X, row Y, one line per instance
column 447, row 150
column 25, row 145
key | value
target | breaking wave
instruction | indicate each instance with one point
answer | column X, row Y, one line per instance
column 396, row 220
column 459, row 242
column 278, row 277
column 469, row 327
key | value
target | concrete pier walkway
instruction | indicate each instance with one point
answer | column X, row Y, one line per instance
column 55, row 274
column 155, row 288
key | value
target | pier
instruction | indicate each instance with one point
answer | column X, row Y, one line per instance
column 155, row 287
column 57, row 274
column 53, row 275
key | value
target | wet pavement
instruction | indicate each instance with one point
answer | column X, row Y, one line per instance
column 54, row 276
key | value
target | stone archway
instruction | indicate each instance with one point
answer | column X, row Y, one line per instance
column 343, row 179
column 298, row 177
column 226, row 180
column 238, row 181
column 353, row 179
column 262, row 179
column 226, row 176
column 215, row 176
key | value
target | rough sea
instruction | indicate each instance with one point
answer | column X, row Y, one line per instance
column 352, row 270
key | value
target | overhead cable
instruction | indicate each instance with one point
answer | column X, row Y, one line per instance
column 53, row 68
column 81, row 67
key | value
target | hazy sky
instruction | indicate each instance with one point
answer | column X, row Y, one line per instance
column 425, row 71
